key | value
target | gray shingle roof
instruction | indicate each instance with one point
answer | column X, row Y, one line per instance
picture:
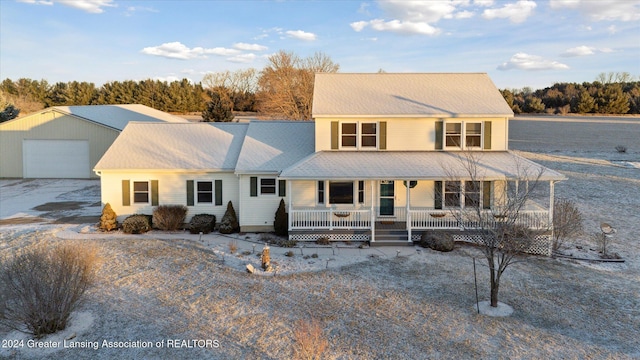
column 118, row 116
column 175, row 146
column 415, row 165
column 271, row 146
column 407, row 95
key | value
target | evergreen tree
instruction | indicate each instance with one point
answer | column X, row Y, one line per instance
column 219, row 107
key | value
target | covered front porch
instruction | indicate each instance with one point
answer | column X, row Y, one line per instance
column 372, row 196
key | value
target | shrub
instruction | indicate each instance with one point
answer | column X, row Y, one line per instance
column 310, row 340
column 169, row 217
column 108, row 219
column 567, row 221
column 289, row 254
column 136, row 224
column 40, row 288
column 285, row 243
column 281, row 223
column 233, row 246
column 621, row 148
column 323, row 241
column 202, row 223
column 437, row 241
column 229, row 222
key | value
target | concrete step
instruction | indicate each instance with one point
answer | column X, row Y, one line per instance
column 390, row 243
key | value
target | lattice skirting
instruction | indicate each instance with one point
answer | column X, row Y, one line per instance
column 330, row 236
column 541, row 246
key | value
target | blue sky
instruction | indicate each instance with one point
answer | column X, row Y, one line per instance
column 518, row 42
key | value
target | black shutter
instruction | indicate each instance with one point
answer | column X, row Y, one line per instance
column 190, row 201
column 126, row 193
column 218, row 191
column 486, row 194
column 154, row 193
column 334, row 135
column 487, row 135
column 439, row 127
column 437, row 194
column 253, row 187
column 282, row 188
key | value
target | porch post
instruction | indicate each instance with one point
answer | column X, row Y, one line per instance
column 290, row 206
column 373, row 214
column 408, row 207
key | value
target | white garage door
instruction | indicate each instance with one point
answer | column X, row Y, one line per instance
column 55, row 159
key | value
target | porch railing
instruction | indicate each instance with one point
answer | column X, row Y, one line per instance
column 330, row 219
column 421, row 218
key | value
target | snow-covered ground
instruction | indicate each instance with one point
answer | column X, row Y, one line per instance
column 378, row 303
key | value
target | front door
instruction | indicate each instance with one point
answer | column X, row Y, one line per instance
column 387, row 198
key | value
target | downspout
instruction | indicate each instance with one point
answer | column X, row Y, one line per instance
column 290, row 206
column 551, row 206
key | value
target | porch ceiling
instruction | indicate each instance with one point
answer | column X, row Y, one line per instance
column 416, row 165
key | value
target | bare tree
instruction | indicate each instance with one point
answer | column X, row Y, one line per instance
column 286, row 84
column 567, row 221
column 497, row 224
column 241, row 86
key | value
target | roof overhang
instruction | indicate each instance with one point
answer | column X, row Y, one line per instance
column 418, row 165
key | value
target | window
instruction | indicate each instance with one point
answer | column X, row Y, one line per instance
column 472, row 193
column 349, row 135
column 368, row 135
column 473, row 135
column 359, row 135
column 341, row 192
column 268, row 186
column 140, row 192
column 320, row 192
column 452, row 194
column 205, row 192
column 453, row 134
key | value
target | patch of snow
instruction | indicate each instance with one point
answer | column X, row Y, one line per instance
column 502, row 310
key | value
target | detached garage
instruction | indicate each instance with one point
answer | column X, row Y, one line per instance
column 66, row 141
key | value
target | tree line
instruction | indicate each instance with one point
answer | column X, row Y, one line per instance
column 283, row 89
column 610, row 93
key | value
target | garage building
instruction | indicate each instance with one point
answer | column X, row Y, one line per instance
column 66, row 141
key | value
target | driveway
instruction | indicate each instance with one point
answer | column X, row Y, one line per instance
column 63, row 201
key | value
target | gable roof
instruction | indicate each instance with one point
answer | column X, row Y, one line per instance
column 118, row 116
column 175, row 146
column 416, row 165
column 407, row 95
column 270, row 146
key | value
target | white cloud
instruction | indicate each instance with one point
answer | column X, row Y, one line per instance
column 584, row 51
column 522, row 61
column 404, row 27
column 249, row 47
column 515, row 12
column 483, row 2
column 301, row 35
column 610, row 10
column 242, row 58
column 36, row 2
column 90, row 6
column 420, row 11
column 133, row 9
column 177, row 50
column 359, row 25
column 463, row 15
column 579, row 51
column 612, row 30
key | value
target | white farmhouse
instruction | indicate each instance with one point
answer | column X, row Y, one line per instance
column 381, row 162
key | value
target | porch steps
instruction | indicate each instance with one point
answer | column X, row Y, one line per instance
column 389, row 237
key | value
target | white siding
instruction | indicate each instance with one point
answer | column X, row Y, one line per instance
column 172, row 190
column 257, row 213
column 412, row 134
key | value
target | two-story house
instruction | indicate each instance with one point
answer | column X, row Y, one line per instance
column 384, row 159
